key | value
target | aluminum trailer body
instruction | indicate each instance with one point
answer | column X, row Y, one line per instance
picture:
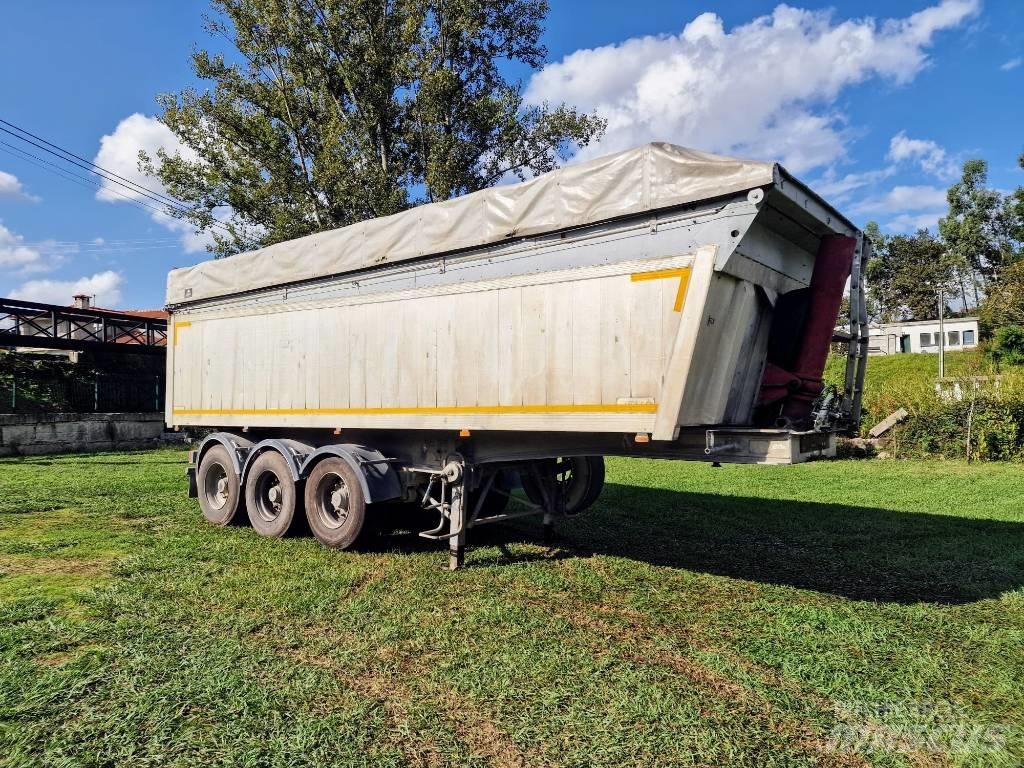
column 689, row 323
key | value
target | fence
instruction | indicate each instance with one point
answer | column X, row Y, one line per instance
column 103, row 393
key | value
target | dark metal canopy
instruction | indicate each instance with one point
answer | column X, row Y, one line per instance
column 51, row 326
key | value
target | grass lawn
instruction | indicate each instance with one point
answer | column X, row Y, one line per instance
column 836, row 613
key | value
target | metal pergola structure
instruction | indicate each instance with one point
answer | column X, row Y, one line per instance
column 51, row 326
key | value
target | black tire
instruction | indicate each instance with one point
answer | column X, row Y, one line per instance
column 335, row 505
column 596, row 484
column 271, row 498
column 584, row 484
column 218, row 486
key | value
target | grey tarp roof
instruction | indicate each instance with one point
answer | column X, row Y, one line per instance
column 647, row 178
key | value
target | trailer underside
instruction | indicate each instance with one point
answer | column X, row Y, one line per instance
column 467, row 479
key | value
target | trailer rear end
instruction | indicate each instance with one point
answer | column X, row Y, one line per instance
column 660, row 302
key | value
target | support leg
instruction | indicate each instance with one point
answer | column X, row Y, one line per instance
column 549, row 530
column 457, row 543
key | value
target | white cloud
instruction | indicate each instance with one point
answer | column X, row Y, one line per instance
column 766, row 88
column 14, row 254
column 21, row 257
column 104, row 286
column 1012, row 64
column 928, row 155
column 901, row 199
column 835, row 187
column 119, row 152
column 908, row 223
column 11, row 188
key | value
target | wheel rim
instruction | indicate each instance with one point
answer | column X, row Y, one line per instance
column 216, row 487
column 332, row 500
column 269, row 496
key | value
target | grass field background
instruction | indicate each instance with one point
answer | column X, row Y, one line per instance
column 835, row 613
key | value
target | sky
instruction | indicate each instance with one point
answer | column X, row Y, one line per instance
column 874, row 104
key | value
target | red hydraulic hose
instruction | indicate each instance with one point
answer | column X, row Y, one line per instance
column 828, row 280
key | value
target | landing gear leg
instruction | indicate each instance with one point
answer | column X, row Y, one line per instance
column 549, row 529
column 457, row 521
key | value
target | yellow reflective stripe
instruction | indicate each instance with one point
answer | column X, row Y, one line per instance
column 182, row 324
column 683, row 273
column 455, row 410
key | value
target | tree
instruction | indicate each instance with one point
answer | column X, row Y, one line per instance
column 341, row 110
column 979, row 230
column 905, row 272
column 1004, row 303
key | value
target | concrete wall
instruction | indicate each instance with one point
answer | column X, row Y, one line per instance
column 35, row 433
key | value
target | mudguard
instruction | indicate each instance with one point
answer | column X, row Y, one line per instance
column 293, row 452
column 377, row 477
column 238, row 448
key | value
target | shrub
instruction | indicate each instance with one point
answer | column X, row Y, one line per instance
column 989, row 419
column 1008, row 345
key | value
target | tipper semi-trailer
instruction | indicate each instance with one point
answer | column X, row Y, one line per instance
column 659, row 302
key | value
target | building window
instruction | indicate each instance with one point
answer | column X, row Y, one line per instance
column 968, row 338
column 954, row 338
column 926, row 340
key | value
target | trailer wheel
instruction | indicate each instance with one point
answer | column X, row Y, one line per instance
column 270, row 495
column 596, row 484
column 582, row 477
column 335, row 506
column 218, row 486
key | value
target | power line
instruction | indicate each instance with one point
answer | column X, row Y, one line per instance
column 159, row 195
column 97, row 170
column 74, row 177
column 86, row 167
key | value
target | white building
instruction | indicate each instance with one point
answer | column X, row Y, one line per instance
column 922, row 336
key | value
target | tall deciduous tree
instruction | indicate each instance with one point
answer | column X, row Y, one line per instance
column 980, row 231
column 328, row 112
column 905, row 274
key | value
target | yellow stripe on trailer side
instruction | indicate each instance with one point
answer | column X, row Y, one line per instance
column 683, row 273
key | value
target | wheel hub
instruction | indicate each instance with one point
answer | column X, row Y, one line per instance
column 332, row 501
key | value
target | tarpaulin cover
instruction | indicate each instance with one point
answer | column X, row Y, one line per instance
column 647, row 178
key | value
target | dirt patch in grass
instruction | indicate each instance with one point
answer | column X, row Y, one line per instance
column 16, row 565
column 627, row 629
column 397, row 683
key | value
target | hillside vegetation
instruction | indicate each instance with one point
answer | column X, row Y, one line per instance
column 989, row 419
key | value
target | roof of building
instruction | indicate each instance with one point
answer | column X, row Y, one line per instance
column 150, row 314
column 947, row 320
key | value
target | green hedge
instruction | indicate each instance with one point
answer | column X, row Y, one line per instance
column 989, row 420
column 987, row 427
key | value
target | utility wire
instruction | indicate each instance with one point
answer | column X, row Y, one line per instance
column 168, row 200
column 86, row 167
column 74, row 177
column 109, row 176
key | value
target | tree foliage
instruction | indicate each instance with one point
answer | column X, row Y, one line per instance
column 1004, row 302
column 983, row 230
column 905, row 273
column 332, row 111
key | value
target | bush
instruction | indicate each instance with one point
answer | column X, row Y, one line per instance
column 1008, row 345
column 988, row 427
column 989, row 419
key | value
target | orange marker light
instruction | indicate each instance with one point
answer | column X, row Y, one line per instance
column 464, row 433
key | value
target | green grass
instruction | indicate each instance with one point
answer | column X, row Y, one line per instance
column 907, row 370
column 835, row 613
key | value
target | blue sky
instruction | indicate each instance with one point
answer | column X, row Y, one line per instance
column 874, row 103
